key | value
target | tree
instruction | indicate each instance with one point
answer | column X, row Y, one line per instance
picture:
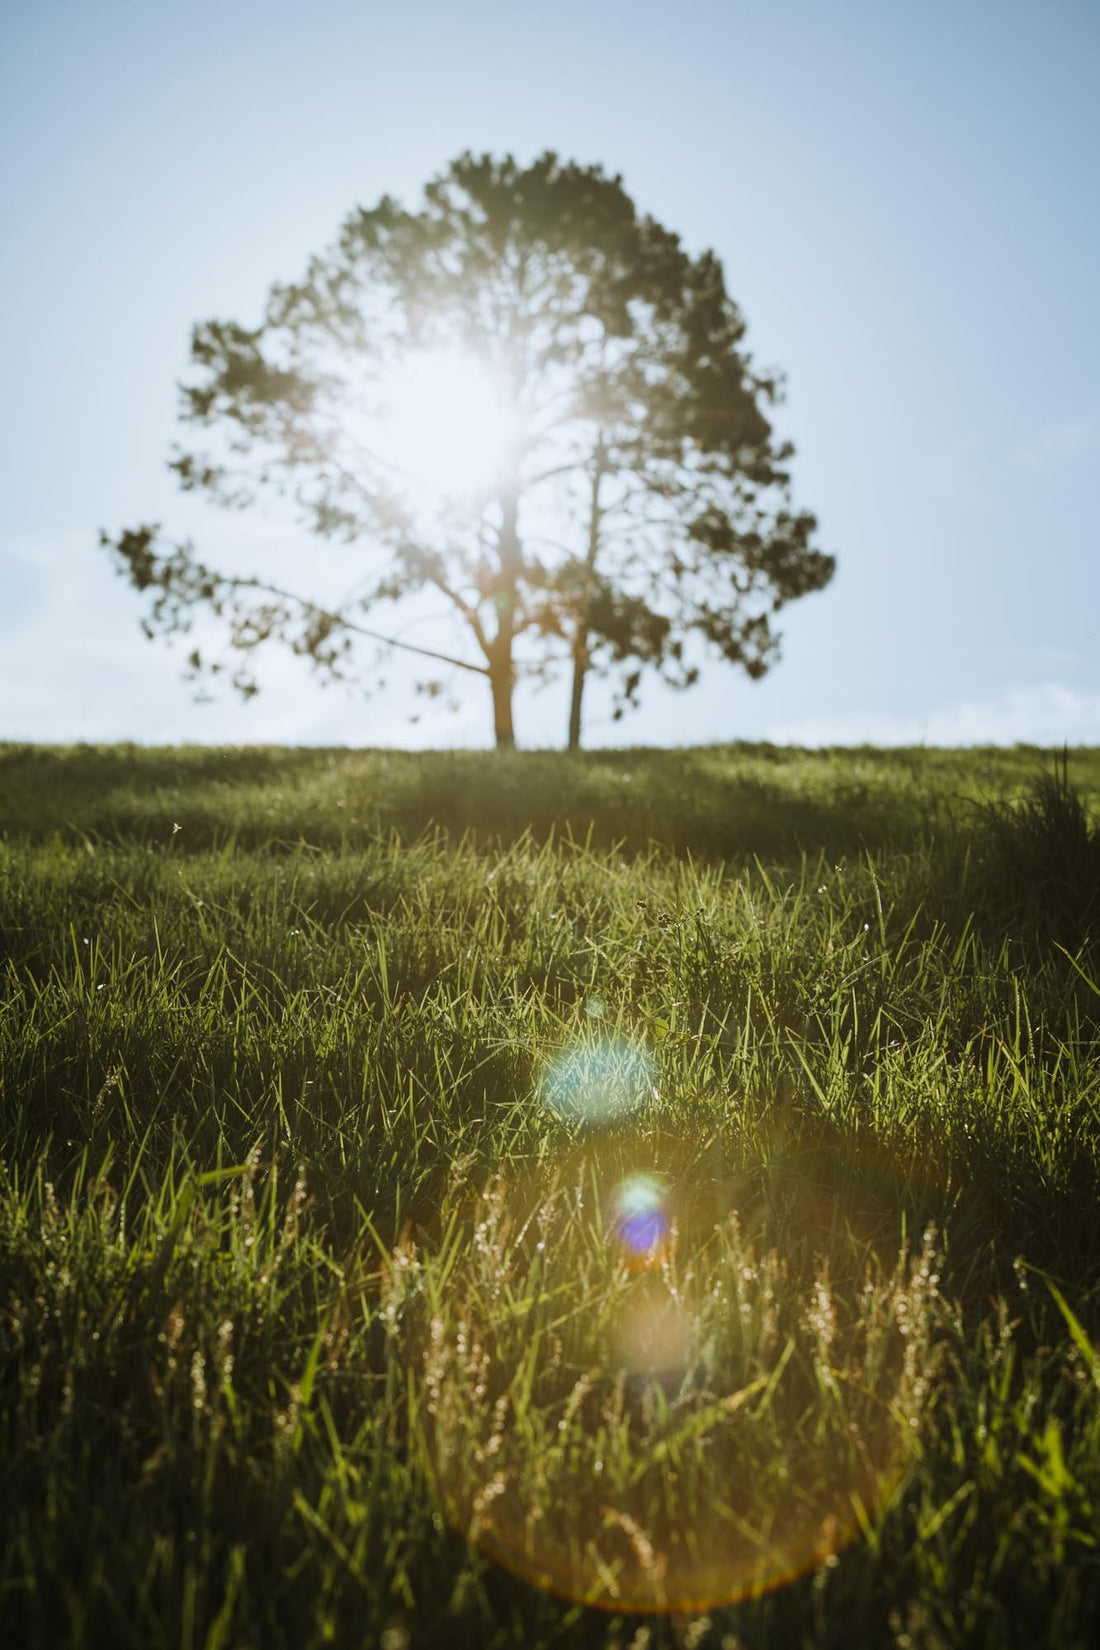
column 623, row 506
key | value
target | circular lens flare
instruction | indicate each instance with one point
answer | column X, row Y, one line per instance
column 653, row 1335
column 598, row 1082
column 640, row 1215
column 710, row 1419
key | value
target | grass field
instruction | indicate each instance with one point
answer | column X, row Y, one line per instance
column 468, row 1199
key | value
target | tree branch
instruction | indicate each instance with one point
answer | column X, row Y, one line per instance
column 350, row 624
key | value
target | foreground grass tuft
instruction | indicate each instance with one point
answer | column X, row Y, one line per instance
column 1038, row 862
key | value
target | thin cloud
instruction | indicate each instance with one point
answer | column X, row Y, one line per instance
column 957, row 466
column 1058, row 445
column 1048, row 713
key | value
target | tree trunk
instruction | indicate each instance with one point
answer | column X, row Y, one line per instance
column 500, row 682
column 580, row 637
column 580, row 667
column 502, row 674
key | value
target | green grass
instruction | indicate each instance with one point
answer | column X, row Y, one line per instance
column 331, row 1085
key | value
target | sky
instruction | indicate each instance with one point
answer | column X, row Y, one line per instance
column 904, row 201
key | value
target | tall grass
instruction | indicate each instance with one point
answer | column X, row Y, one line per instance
column 1038, row 862
column 419, row 1232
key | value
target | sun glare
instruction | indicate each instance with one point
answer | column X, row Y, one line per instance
column 446, row 427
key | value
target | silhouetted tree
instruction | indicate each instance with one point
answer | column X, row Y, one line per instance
column 640, row 498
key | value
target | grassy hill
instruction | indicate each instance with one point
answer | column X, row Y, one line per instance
column 474, row 1199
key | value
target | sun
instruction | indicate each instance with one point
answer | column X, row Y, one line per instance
column 445, row 427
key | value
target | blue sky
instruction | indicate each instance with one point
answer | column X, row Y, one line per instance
column 904, row 199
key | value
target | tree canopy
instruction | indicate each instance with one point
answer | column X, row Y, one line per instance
column 525, row 397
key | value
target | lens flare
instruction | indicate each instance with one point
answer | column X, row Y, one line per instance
column 665, row 1376
column 652, row 1338
column 640, row 1214
column 597, row 1082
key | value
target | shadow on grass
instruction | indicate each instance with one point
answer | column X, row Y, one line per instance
column 719, row 802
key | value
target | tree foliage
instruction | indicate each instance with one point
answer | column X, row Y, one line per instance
column 637, row 513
